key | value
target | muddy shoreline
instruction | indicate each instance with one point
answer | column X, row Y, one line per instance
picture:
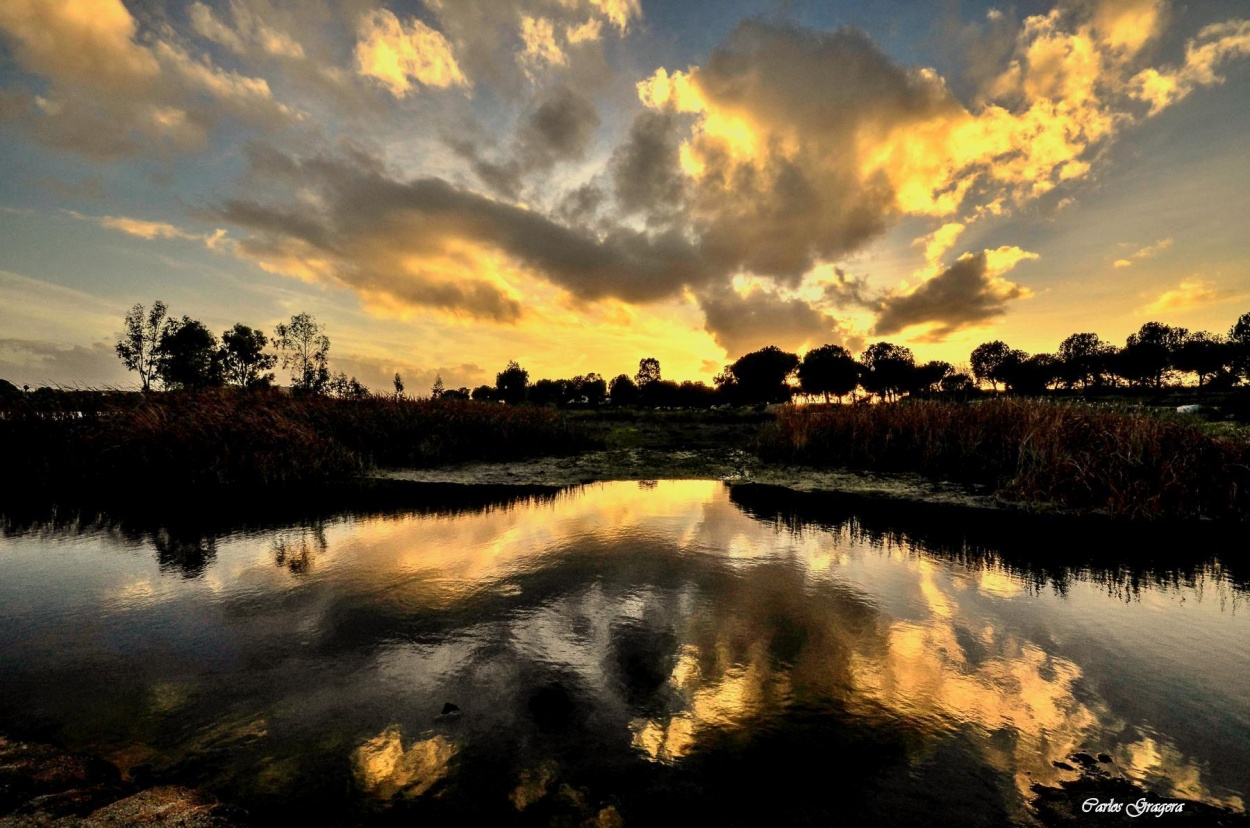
column 733, row 466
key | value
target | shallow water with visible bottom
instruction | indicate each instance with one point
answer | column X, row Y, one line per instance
column 672, row 652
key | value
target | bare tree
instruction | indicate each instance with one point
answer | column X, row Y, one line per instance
column 304, row 348
column 140, row 345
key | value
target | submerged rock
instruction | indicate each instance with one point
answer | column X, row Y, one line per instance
column 40, row 772
column 44, row 787
column 164, row 806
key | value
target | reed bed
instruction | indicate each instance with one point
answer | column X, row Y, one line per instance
column 227, row 437
column 1069, row 455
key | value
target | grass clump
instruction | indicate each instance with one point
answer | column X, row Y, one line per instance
column 1070, row 455
column 228, row 437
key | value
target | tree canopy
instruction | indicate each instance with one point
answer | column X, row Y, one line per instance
column 189, row 356
column 511, row 384
column 243, row 359
column 760, row 376
column 888, row 369
column 829, row 369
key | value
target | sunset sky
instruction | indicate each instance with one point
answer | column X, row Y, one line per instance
column 576, row 184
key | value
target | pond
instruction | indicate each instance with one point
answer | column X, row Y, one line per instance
column 632, row 653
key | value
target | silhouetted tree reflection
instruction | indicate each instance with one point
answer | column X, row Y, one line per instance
column 1041, row 551
column 186, row 554
column 184, row 536
column 297, row 551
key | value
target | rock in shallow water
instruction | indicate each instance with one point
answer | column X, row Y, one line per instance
column 43, row 787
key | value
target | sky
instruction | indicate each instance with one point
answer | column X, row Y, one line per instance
column 448, row 185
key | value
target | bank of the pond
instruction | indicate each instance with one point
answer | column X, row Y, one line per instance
column 1068, row 456
column 1029, row 455
column 730, row 465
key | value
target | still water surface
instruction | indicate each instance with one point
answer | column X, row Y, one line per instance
column 649, row 653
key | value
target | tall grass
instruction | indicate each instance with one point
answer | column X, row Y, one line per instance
column 264, row 439
column 1069, row 455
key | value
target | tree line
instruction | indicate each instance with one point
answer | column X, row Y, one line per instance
column 184, row 354
column 1155, row 356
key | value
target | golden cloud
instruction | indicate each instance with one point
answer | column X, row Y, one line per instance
column 541, row 48
column 1190, row 293
column 940, row 240
column 1147, row 252
column 619, row 12
column 1061, row 95
column 1215, row 44
column 396, row 53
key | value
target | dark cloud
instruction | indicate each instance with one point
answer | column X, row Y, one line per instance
column 741, row 324
column 374, row 233
column 581, row 206
column 560, row 128
column 813, row 102
column 965, row 294
column 847, row 291
column 983, row 47
column 503, row 178
column 646, row 169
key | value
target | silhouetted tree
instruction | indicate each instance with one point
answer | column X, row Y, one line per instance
column 1148, row 355
column 511, row 383
column 140, row 345
column 548, row 392
column 928, row 377
column 1024, row 374
column 623, row 391
column 1239, row 342
column 243, row 359
column 590, row 389
column 696, row 395
column 345, row 387
column 1083, row 358
column 957, row 385
column 9, row 391
column 306, row 349
column 761, row 375
column 1203, row 354
column 987, row 361
column 661, row 393
column 460, row 393
column 829, row 369
column 888, row 369
column 189, row 356
column 648, row 371
column 484, row 393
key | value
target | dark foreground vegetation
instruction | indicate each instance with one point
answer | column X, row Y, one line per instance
column 1084, row 457
column 1091, row 428
column 1110, row 458
column 262, row 438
